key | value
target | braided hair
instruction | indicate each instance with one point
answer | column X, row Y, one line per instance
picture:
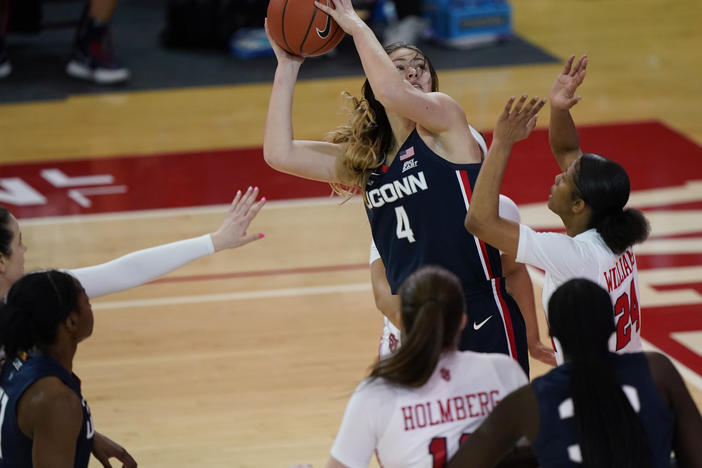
column 36, row 304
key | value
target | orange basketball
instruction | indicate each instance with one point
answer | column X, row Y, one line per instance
column 301, row 28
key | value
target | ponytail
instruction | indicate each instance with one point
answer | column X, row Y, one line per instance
column 623, row 229
column 432, row 307
column 610, row 433
column 604, row 186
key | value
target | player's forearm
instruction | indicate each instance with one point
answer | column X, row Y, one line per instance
column 278, row 134
column 378, row 67
column 483, row 213
column 520, row 287
column 142, row 266
column 562, row 136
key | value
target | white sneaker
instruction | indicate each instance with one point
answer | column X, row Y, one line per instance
column 98, row 65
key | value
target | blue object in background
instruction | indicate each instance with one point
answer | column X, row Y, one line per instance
column 468, row 23
column 250, row 42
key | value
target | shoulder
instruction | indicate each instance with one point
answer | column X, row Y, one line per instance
column 662, row 369
column 593, row 240
column 508, row 209
column 50, row 391
column 373, row 389
column 445, row 100
column 48, row 401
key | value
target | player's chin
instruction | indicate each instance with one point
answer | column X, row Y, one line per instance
column 549, row 203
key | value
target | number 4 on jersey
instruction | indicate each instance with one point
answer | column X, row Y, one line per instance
column 403, row 231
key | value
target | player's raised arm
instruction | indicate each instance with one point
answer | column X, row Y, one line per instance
column 314, row 160
column 562, row 134
column 483, row 220
column 406, row 96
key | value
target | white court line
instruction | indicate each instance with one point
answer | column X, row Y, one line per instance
column 172, row 212
column 261, row 294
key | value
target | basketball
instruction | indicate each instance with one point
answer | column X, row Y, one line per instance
column 301, row 28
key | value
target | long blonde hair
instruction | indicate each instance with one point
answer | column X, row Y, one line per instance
column 367, row 136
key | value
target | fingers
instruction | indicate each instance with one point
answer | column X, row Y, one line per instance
column 248, row 238
column 324, row 7
column 249, row 197
column 568, row 64
column 520, row 103
column 128, row 461
column 508, row 108
column 256, row 207
column 580, row 66
column 522, row 108
column 234, row 202
column 242, row 202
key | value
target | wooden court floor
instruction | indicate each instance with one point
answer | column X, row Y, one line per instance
column 247, row 358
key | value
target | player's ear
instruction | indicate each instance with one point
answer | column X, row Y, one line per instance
column 578, row 206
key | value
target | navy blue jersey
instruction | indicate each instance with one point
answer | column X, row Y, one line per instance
column 556, row 443
column 17, row 375
column 416, row 208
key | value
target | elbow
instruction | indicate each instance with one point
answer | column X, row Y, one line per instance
column 273, row 156
column 475, row 224
column 269, row 156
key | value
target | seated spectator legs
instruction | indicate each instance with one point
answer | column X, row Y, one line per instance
column 92, row 57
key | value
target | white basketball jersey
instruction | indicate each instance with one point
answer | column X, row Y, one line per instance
column 587, row 256
column 422, row 427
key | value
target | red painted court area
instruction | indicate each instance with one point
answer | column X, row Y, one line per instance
column 656, row 157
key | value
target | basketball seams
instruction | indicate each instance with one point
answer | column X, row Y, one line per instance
column 307, row 33
column 282, row 27
column 286, row 20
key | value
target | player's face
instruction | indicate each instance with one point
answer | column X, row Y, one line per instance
column 12, row 266
column 413, row 67
column 564, row 191
column 85, row 315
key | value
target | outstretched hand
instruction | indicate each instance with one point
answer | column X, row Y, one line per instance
column 232, row 231
column 515, row 124
column 281, row 54
column 562, row 95
column 342, row 12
